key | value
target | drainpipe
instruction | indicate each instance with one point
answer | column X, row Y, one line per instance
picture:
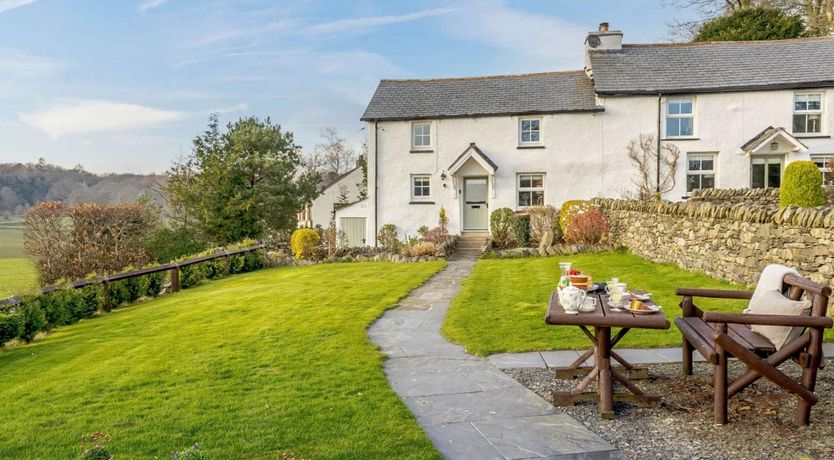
column 376, row 175
column 657, row 169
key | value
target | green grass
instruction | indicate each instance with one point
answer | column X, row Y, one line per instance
column 250, row 366
column 17, row 276
column 501, row 307
column 11, row 238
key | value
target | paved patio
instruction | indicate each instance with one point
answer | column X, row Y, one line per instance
column 466, row 405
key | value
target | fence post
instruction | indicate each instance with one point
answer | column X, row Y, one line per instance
column 175, row 279
column 105, row 287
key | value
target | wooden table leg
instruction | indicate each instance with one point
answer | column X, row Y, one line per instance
column 603, row 362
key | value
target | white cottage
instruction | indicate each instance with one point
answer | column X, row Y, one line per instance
column 737, row 111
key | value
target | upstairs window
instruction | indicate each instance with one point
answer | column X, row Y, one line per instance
column 421, row 136
column 530, row 190
column 420, row 187
column 700, row 171
column 807, row 113
column 679, row 117
column 529, row 131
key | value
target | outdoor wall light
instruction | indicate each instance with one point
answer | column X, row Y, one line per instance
column 774, row 145
column 443, row 176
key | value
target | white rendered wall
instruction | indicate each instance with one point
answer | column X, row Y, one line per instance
column 322, row 209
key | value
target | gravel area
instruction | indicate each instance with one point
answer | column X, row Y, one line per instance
column 761, row 417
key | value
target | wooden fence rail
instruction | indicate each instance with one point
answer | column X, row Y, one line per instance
column 173, row 267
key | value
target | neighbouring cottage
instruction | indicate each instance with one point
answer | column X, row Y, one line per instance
column 336, row 191
column 737, row 111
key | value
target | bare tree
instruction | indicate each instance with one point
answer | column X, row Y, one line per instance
column 334, row 153
column 656, row 170
column 817, row 14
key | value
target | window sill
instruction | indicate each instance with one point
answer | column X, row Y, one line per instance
column 421, row 202
column 812, row 136
column 667, row 139
column 531, row 146
column 421, row 151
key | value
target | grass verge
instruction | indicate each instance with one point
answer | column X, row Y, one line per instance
column 17, row 276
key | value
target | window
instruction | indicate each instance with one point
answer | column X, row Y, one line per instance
column 700, row 171
column 766, row 172
column 420, row 187
column 530, row 190
column 421, row 136
column 529, row 131
column 824, row 163
column 807, row 113
column 679, row 118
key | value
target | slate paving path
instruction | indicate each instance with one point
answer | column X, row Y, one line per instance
column 466, row 405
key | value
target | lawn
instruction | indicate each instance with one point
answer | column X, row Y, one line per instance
column 502, row 305
column 17, row 276
column 11, row 238
column 249, row 367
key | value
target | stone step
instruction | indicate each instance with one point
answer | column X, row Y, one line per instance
column 471, row 244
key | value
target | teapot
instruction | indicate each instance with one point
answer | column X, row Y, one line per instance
column 571, row 298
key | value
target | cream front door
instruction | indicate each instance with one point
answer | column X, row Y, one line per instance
column 475, row 211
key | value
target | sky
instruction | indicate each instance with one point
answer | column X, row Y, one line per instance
column 125, row 85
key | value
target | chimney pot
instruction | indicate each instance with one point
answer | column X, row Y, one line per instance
column 603, row 27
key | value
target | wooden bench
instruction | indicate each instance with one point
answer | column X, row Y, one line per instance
column 717, row 335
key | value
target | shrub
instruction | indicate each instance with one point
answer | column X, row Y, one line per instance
column 437, row 235
column 92, row 299
column 304, row 243
column 590, row 227
column 253, row 260
column 57, row 308
column 501, row 225
column 443, row 219
column 419, row 249
column 422, row 231
column 10, row 327
column 156, row 283
column 802, row 185
column 217, row 268
column 192, row 274
column 569, row 210
column 543, row 219
column 387, row 238
column 332, row 239
column 117, row 294
column 32, row 318
column 167, row 244
column 137, row 287
column 521, row 230
column 236, row 263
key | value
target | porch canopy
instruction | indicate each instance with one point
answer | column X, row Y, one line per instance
column 773, row 140
column 473, row 153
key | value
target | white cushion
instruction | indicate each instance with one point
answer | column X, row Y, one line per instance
column 774, row 303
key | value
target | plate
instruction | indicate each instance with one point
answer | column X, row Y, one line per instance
column 642, row 297
column 594, row 287
column 654, row 309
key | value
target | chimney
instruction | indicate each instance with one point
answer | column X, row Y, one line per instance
column 601, row 40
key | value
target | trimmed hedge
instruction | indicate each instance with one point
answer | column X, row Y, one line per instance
column 521, row 230
column 802, row 186
column 32, row 315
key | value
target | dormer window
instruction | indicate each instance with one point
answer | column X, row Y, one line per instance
column 679, row 117
column 807, row 113
column 421, row 136
column 529, row 131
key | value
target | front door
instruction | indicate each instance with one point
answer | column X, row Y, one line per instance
column 475, row 211
column 766, row 171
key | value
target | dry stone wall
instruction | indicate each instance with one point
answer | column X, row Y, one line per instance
column 729, row 241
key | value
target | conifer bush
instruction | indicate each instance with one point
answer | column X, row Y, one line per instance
column 304, row 243
column 802, row 185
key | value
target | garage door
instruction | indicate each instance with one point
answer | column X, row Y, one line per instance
column 354, row 228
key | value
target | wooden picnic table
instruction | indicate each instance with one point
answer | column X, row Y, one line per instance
column 602, row 320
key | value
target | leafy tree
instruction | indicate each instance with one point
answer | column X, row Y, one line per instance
column 752, row 23
column 242, row 182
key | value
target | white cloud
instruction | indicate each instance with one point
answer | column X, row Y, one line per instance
column 360, row 24
column 231, row 109
column 6, row 5
column 95, row 116
column 18, row 63
column 547, row 42
column 146, row 5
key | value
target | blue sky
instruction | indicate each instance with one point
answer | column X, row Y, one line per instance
column 124, row 85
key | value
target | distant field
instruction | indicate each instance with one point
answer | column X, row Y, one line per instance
column 11, row 238
column 17, row 276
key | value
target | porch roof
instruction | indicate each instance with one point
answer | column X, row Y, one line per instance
column 475, row 153
column 769, row 135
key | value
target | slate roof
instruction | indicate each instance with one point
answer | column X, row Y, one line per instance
column 766, row 134
column 715, row 67
column 550, row 92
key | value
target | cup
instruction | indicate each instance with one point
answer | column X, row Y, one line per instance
column 618, row 294
column 610, row 284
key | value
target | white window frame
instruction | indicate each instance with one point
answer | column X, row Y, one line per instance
column 531, row 189
column 679, row 116
column 701, row 172
column 807, row 112
column 427, row 185
column 825, row 159
column 422, row 147
column 767, row 160
column 521, row 130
